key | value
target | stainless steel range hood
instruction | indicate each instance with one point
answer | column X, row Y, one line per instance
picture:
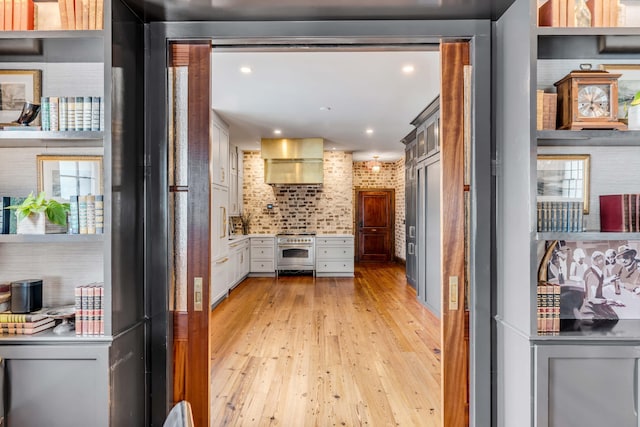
column 293, row 161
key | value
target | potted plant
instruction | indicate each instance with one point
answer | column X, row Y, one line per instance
column 32, row 215
column 633, row 113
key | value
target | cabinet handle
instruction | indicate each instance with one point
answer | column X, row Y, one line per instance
column 222, row 261
column 635, row 388
column 3, row 392
column 223, row 223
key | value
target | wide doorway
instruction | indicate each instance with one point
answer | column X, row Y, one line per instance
column 451, row 341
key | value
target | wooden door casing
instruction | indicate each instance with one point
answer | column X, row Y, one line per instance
column 455, row 362
column 191, row 338
column 375, row 225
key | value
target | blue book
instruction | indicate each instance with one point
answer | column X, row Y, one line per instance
column 74, row 225
column 5, row 215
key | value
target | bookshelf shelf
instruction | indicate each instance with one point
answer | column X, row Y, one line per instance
column 588, row 138
column 51, row 238
column 48, row 35
column 18, row 139
column 49, row 337
column 587, row 236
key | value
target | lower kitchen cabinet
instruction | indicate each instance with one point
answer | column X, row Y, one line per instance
column 334, row 256
column 220, row 282
column 263, row 256
column 239, row 252
column 586, row 385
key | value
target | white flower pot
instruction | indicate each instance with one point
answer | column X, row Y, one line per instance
column 39, row 224
column 634, row 118
column 33, row 224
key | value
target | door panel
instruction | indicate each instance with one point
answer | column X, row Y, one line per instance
column 432, row 241
column 375, row 225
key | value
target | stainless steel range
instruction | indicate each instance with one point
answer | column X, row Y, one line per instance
column 296, row 252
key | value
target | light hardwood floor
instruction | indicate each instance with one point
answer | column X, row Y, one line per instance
column 299, row 351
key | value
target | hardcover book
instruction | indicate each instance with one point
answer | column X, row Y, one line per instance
column 18, row 330
column 614, row 213
column 99, row 208
column 79, row 112
column 91, row 214
column 74, row 226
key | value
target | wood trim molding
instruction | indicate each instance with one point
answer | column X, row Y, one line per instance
column 455, row 363
column 180, row 338
column 198, row 368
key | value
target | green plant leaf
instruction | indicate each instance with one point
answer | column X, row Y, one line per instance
column 636, row 99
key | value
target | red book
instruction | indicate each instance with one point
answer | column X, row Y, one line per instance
column 614, row 213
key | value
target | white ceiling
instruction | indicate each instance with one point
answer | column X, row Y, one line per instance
column 287, row 89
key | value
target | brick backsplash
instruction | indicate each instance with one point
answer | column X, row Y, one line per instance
column 325, row 209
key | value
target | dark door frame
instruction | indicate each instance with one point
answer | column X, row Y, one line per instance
column 349, row 33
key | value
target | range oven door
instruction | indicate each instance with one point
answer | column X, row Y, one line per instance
column 295, row 257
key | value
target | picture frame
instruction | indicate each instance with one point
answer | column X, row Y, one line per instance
column 16, row 88
column 564, row 177
column 63, row 176
column 628, row 84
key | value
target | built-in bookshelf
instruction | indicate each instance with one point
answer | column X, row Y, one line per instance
column 547, row 368
column 79, row 63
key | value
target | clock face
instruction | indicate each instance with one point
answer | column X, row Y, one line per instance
column 593, row 101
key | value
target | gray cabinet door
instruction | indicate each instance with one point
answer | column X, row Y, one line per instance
column 55, row 385
column 586, row 385
column 432, row 242
column 428, row 254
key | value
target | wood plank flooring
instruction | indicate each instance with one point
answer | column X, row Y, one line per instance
column 299, row 351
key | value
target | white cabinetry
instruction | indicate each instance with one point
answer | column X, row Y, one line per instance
column 235, row 181
column 220, row 278
column 334, row 256
column 263, row 256
column 239, row 253
column 219, row 151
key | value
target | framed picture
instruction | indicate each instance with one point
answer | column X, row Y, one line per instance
column 564, row 178
column 16, row 87
column 628, row 84
column 63, row 176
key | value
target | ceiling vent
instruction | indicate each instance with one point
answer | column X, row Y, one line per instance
column 295, row 161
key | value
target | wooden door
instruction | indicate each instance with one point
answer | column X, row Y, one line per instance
column 454, row 196
column 375, row 225
column 191, row 337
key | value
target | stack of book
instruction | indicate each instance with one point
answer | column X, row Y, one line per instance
column 25, row 324
column 72, row 113
column 89, row 309
column 16, row 15
column 562, row 13
column 561, row 217
column 548, row 314
column 86, row 214
column 620, row 213
column 547, row 106
column 81, row 14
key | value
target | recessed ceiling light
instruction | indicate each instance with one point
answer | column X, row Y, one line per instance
column 369, row 131
column 277, row 131
column 408, row 69
column 245, row 70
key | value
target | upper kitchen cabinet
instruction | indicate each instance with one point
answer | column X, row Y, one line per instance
column 235, row 181
column 219, row 151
